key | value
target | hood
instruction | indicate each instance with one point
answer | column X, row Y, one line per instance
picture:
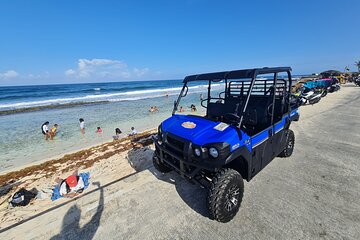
column 199, row 130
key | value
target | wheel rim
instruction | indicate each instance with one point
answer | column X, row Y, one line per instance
column 232, row 198
column 290, row 145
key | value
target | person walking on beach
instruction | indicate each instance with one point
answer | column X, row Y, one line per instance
column 45, row 130
column 82, row 125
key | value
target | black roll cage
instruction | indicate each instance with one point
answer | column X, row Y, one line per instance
column 238, row 75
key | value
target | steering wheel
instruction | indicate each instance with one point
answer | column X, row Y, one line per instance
column 221, row 94
column 231, row 118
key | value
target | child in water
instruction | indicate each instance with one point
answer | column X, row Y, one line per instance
column 53, row 131
column 82, row 125
column 98, row 130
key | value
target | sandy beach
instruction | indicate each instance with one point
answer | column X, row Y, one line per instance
column 107, row 161
column 124, row 169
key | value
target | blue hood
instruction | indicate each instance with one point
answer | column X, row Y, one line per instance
column 199, row 130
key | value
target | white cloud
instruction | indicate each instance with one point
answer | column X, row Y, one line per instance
column 9, row 74
column 70, row 72
column 104, row 68
column 140, row 72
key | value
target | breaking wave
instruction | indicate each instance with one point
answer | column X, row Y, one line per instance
column 108, row 97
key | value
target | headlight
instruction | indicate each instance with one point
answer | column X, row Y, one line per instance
column 197, row 152
column 213, row 152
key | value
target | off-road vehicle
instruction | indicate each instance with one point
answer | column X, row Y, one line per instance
column 246, row 126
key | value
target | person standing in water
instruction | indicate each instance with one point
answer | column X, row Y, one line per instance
column 45, row 130
column 53, row 131
column 82, row 125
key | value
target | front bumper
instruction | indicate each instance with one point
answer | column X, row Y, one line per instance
column 182, row 161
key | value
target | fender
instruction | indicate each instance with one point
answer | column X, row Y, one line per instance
column 240, row 160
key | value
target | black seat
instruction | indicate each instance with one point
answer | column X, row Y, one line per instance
column 218, row 110
column 257, row 117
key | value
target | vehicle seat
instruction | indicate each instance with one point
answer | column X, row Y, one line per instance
column 256, row 117
column 217, row 110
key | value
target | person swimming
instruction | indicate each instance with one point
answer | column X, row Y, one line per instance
column 98, row 130
column 153, row 109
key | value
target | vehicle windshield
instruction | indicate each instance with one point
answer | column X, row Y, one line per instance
column 195, row 96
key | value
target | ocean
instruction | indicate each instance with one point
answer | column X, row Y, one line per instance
column 23, row 109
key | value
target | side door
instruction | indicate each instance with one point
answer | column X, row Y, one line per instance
column 262, row 150
column 279, row 141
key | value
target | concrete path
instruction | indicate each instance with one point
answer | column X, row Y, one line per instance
column 315, row 194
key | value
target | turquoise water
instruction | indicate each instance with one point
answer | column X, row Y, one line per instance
column 21, row 140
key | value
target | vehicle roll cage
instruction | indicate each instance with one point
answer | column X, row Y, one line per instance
column 239, row 76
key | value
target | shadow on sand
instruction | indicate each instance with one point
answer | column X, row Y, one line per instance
column 194, row 195
column 71, row 223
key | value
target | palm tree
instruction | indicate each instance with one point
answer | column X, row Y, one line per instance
column 358, row 65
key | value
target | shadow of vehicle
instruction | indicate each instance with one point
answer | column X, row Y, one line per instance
column 192, row 194
column 138, row 160
column 71, row 222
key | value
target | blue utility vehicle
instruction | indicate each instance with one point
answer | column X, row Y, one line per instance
column 246, row 125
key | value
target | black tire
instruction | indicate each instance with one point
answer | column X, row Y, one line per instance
column 324, row 93
column 290, row 143
column 225, row 194
column 160, row 166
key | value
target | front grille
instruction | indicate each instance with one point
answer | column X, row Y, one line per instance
column 175, row 146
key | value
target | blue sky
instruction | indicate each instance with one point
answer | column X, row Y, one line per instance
column 93, row 41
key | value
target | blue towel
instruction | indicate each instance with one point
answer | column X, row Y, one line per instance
column 85, row 177
column 56, row 190
column 56, row 193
